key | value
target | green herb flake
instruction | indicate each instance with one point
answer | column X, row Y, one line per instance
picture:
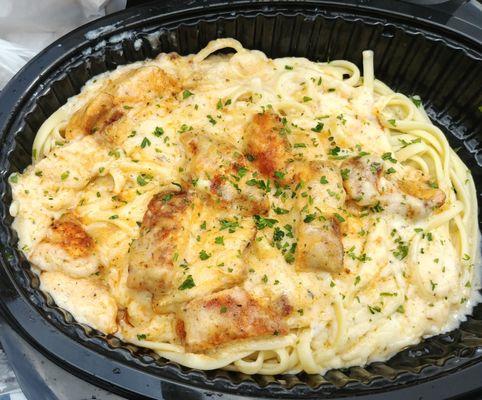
column 145, row 142
column 339, row 217
column 318, row 128
column 262, row 222
column 203, row 255
column 158, row 131
column 186, row 93
column 187, row 284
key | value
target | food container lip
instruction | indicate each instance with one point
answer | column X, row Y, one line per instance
column 76, row 355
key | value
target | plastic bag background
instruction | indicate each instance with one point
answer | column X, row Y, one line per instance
column 28, row 26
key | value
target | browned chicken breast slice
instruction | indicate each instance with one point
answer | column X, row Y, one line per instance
column 219, row 170
column 362, row 176
column 67, row 247
column 88, row 298
column 188, row 247
column 94, row 116
column 322, row 181
column 408, row 193
column 319, row 246
column 143, row 84
column 226, row 316
column 151, row 265
column 136, row 85
column 414, row 184
column 266, row 144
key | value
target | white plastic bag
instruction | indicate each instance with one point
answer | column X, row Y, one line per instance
column 27, row 26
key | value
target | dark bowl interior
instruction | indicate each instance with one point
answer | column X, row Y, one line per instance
column 444, row 69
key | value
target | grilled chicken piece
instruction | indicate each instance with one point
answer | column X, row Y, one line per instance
column 362, row 183
column 409, row 194
column 227, row 316
column 143, row 84
column 177, row 257
column 87, row 298
column 323, row 182
column 319, row 240
column 266, row 144
column 220, row 171
column 67, row 248
column 151, row 264
column 415, row 185
column 94, row 116
column 136, row 85
column 319, row 246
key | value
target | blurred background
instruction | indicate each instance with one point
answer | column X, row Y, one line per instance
column 27, row 26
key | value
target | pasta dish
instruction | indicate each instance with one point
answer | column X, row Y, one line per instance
column 227, row 210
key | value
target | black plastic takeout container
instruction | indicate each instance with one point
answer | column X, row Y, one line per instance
column 412, row 55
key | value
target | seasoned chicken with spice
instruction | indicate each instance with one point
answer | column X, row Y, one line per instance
column 220, row 170
column 66, row 247
column 225, row 316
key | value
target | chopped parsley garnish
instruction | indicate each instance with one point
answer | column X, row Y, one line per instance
column 339, row 217
column 388, row 157
column 186, row 93
column 323, row 180
column 390, row 170
column 318, row 128
column 65, row 175
column 260, row 184
column 288, row 67
column 14, row 178
column 374, row 309
column 299, row 145
column 184, row 128
column 280, row 211
column 334, row 153
column 405, row 143
column 113, row 217
column 392, row 122
column 278, row 234
column 203, row 255
column 400, row 309
column 345, row 172
column 141, row 336
column 265, row 278
column 309, row 218
column 187, row 284
column 306, row 99
column 230, row 225
column 357, row 280
column 416, row 100
column 211, row 119
column 145, row 142
column 143, row 179
column 402, row 249
column 114, row 153
column 223, row 309
column 158, row 131
column 219, row 240
column 166, row 197
column 262, row 222
column 219, row 104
